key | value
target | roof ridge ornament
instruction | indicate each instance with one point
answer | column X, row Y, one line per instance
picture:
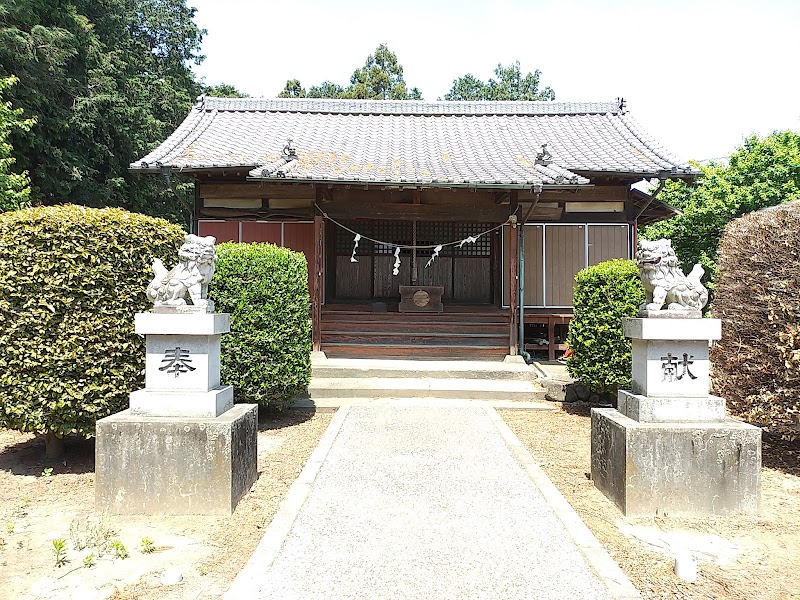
column 622, row 104
column 544, row 157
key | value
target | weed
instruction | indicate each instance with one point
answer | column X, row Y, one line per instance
column 119, row 549
column 202, row 569
column 10, row 528
column 89, row 561
column 90, row 532
column 47, row 472
column 60, row 552
column 147, row 546
column 2, row 543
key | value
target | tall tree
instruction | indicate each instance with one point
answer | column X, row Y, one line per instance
column 105, row 80
column 381, row 78
column 762, row 172
column 509, row 85
column 14, row 190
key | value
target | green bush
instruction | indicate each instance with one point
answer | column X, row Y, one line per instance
column 266, row 356
column 71, row 280
column 604, row 294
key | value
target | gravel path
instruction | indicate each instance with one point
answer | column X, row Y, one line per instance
column 425, row 502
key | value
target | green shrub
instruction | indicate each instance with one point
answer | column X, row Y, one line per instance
column 71, row 280
column 604, row 294
column 266, row 356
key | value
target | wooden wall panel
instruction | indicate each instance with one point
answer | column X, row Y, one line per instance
column 607, row 242
column 300, row 238
column 353, row 280
column 565, row 255
column 386, row 285
column 255, row 231
column 534, row 295
column 224, row 231
column 472, row 280
column 439, row 273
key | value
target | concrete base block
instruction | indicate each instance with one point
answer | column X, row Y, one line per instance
column 646, row 409
column 210, row 404
column 676, row 468
column 175, row 465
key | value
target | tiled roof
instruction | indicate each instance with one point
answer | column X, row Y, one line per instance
column 444, row 143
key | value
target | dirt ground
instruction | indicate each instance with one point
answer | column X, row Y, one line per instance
column 41, row 502
column 738, row 557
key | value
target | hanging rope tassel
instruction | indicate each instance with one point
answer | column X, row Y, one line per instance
column 355, row 247
column 433, row 256
column 396, row 270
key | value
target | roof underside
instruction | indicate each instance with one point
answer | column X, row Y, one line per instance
column 441, row 143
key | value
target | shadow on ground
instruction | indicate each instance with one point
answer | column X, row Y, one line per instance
column 27, row 457
column 780, row 455
column 270, row 420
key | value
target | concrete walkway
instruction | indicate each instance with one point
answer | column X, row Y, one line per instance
column 426, row 499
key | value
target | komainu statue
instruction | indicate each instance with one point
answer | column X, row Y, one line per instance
column 665, row 283
column 191, row 276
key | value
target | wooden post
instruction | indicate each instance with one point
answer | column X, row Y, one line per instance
column 513, row 281
column 318, row 283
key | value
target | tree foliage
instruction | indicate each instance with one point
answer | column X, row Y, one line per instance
column 14, row 190
column 509, row 84
column 105, row 81
column 381, row 78
column 763, row 172
column 223, row 90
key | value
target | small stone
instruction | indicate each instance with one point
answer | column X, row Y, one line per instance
column 569, row 394
column 594, row 399
column 171, row 577
column 582, row 392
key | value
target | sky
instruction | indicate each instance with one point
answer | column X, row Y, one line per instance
column 698, row 76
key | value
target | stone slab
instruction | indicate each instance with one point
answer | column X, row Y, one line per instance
column 672, row 329
column 676, row 468
column 688, row 375
column 647, row 409
column 182, row 324
column 200, row 355
column 174, row 465
column 208, row 404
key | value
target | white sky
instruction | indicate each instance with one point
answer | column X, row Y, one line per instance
column 698, row 76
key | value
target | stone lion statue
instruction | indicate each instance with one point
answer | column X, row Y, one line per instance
column 665, row 283
column 192, row 274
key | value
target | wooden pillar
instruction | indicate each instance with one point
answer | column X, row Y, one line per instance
column 318, row 283
column 513, row 281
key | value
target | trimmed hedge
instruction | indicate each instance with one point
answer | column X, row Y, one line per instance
column 757, row 361
column 267, row 355
column 601, row 355
column 71, row 280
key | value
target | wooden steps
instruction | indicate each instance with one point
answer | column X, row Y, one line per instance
column 457, row 335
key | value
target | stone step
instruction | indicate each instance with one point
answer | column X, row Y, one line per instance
column 404, row 387
column 422, row 369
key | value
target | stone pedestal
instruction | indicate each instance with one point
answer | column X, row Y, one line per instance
column 669, row 447
column 182, row 447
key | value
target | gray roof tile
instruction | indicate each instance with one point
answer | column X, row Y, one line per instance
column 370, row 141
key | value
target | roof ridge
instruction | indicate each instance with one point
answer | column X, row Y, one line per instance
column 408, row 107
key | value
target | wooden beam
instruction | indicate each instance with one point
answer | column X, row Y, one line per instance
column 251, row 189
column 418, row 212
column 318, row 283
column 502, row 197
